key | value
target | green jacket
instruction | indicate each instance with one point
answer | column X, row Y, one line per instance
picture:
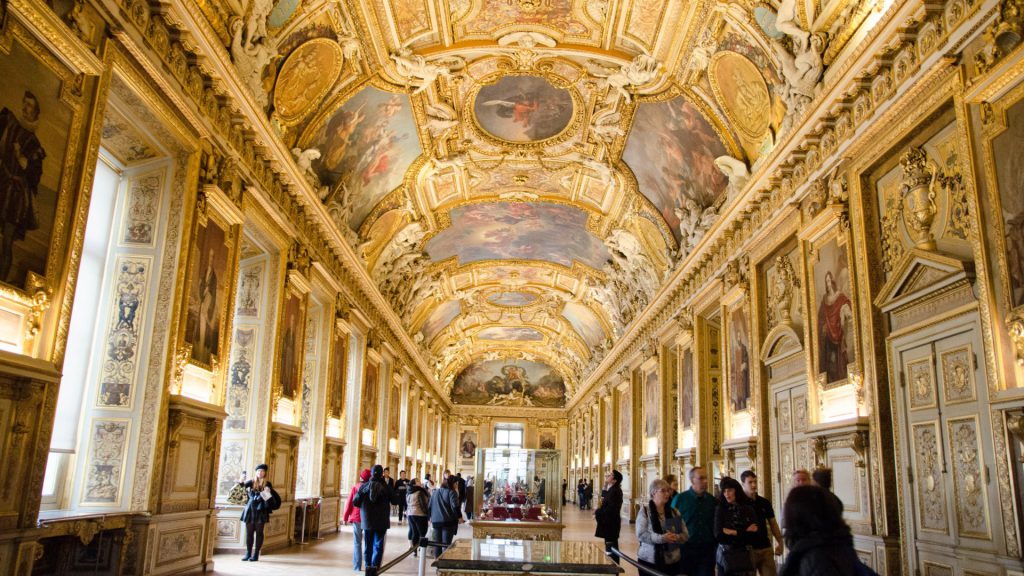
column 699, row 514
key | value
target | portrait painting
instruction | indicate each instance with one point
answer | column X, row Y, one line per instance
column 517, row 333
column 509, row 383
column 686, row 391
column 339, row 374
column 834, row 317
column 518, row 231
column 547, row 440
column 394, row 414
column 370, row 384
column 585, row 322
column 523, row 109
column 35, row 130
column 291, row 346
column 609, row 426
column 625, row 417
column 207, row 294
column 739, row 359
column 439, row 318
column 651, row 404
column 365, row 147
column 1009, row 165
column 467, row 444
column 671, row 150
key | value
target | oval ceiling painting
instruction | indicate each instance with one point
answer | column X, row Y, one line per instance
column 512, row 298
column 523, row 109
column 509, row 383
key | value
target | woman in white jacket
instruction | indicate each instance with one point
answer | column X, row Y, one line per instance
column 661, row 531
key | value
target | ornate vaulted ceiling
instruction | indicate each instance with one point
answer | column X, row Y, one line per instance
column 522, row 176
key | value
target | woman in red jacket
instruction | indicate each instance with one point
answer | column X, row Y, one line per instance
column 352, row 517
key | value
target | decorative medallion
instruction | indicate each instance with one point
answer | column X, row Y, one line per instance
column 957, row 375
column 742, row 92
column 306, row 77
column 522, row 109
column 921, row 381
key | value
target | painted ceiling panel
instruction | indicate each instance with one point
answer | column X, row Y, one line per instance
column 672, row 151
column 510, row 333
column 365, row 148
column 518, row 231
column 510, row 383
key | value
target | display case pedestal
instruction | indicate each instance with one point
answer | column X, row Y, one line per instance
column 518, row 530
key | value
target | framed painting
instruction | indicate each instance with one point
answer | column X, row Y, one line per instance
column 211, row 272
column 339, row 374
column 371, row 383
column 41, row 128
column 834, row 333
column 625, row 419
column 548, row 439
column 522, row 109
column 394, row 416
column 686, row 389
column 468, row 443
column 651, row 404
column 1005, row 172
column 289, row 367
column 738, row 334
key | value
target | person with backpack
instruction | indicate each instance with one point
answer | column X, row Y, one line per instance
column 374, row 501
column 418, row 501
column 819, row 540
column 263, row 500
column 352, row 516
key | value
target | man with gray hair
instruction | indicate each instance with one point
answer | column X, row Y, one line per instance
column 697, row 507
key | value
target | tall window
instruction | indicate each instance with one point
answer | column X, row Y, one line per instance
column 508, row 436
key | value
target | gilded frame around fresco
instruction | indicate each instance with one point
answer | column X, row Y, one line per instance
column 30, row 301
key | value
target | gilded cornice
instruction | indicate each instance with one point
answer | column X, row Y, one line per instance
column 254, row 145
column 848, row 103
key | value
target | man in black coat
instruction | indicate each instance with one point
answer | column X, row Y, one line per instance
column 607, row 514
column 374, row 502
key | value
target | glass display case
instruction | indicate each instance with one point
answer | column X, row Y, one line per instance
column 518, row 494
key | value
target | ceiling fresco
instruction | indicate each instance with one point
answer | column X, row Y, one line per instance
column 520, row 177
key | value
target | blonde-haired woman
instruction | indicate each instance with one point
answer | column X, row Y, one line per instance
column 661, row 531
column 263, row 500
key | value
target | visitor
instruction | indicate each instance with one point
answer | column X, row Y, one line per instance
column 673, row 484
column 538, row 488
column 801, row 477
column 469, row 505
column 461, row 488
column 660, row 530
column 822, row 476
column 819, row 541
column 588, row 494
column 401, row 488
column 607, row 514
column 697, row 508
column 418, row 501
column 428, row 484
column 263, row 500
column 762, row 552
column 374, row 501
column 735, row 527
column 565, row 489
column 353, row 517
column 580, row 489
column 445, row 515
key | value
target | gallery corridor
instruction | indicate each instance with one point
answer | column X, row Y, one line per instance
column 333, row 555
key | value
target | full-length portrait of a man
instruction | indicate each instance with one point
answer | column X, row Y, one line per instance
column 21, row 166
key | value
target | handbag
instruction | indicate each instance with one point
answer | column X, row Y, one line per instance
column 238, row 495
column 735, row 559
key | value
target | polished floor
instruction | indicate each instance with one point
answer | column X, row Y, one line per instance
column 333, row 555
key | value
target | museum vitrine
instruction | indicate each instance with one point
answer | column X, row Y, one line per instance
column 521, row 495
